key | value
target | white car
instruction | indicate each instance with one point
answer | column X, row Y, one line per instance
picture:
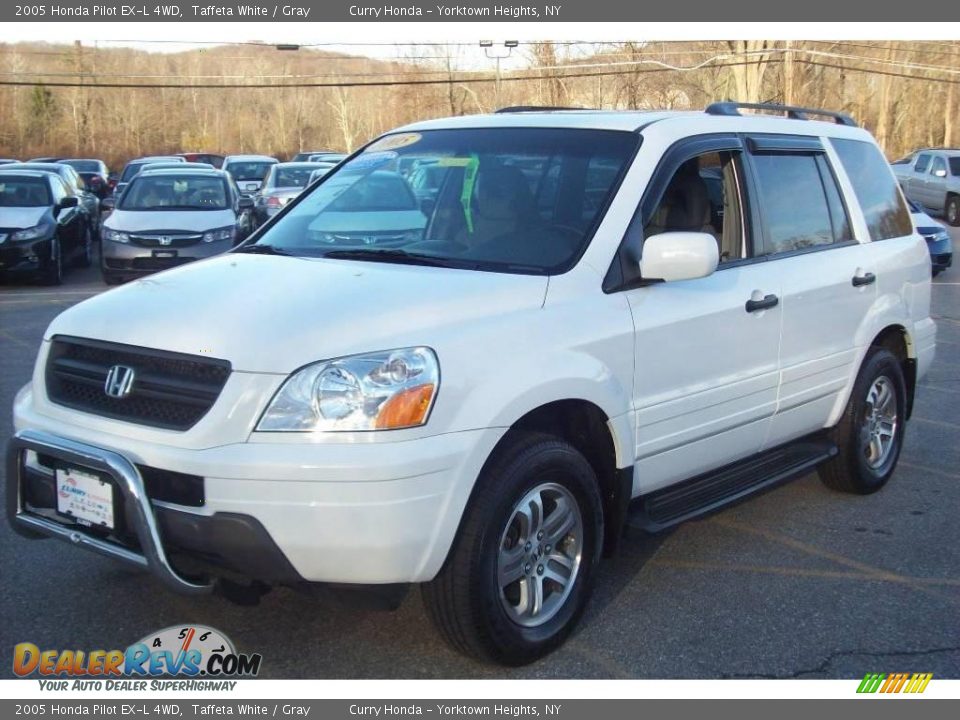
column 581, row 332
column 248, row 171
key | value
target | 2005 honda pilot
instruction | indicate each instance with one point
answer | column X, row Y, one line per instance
column 599, row 318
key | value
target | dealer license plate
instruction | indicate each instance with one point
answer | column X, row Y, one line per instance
column 84, row 497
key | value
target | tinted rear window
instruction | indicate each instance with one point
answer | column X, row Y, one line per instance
column 876, row 189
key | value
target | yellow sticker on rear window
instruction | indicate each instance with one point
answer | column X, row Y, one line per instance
column 392, row 142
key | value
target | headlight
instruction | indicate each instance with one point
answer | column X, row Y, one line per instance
column 224, row 233
column 115, row 236
column 940, row 236
column 31, row 233
column 379, row 391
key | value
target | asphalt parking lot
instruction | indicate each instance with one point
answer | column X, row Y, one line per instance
column 800, row 582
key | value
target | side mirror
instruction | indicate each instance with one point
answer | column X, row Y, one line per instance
column 675, row 256
column 108, row 203
column 940, row 173
column 68, row 202
column 245, row 202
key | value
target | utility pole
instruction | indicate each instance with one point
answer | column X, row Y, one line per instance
column 487, row 45
column 788, row 94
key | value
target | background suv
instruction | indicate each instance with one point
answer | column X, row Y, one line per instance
column 931, row 179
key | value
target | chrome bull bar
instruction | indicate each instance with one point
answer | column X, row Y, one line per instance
column 138, row 511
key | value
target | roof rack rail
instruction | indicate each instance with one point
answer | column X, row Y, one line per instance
column 533, row 108
column 793, row 112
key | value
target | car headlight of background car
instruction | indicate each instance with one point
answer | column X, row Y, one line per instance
column 32, row 233
column 115, row 236
column 224, row 233
column 385, row 390
column 938, row 236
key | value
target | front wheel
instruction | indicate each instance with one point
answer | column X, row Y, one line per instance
column 870, row 432
column 53, row 275
column 522, row 567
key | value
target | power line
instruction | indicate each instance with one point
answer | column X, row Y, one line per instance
column 383, row 83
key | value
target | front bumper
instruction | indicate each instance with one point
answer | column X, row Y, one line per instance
column 25, row 257
column 282, row 512
column 132, row 260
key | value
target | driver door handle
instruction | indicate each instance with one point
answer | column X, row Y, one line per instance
column 863, row 279
column 766, row 302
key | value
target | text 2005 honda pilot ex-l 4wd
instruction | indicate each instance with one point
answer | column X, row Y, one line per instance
column 598, row 317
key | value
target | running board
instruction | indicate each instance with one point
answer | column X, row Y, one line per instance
column 703, row 494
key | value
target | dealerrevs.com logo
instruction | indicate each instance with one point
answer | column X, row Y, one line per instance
column 203, row 655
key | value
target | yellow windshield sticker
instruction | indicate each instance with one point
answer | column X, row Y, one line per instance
column 393, row 142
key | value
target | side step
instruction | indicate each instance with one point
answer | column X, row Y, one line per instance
column 711, row 491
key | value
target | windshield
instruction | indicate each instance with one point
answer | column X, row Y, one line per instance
column 175, row 192
column 87, row 166
column 503, row 199
column 290, row 176
column 248, row 170
column 24, row 192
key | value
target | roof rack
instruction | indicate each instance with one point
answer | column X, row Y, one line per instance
column 534, row 108
column 793, row 112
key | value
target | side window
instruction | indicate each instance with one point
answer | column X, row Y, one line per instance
column 876, row 189
column 923, row 162
column 704, row 196
column 938, row 167
column 799, row 202
column 57, row 189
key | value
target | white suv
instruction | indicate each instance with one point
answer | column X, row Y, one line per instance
column 597, row 318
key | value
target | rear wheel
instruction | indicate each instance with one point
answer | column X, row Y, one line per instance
column 522, row 567
column 870, row 433
column 952, row 211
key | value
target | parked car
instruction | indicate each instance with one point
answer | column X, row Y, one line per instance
column 284, row 181
column 47, row 159
column 554, row 351
column 331, row 157
column 939, row 242
column 931, row 178
column 204, row 157
column 248, row 171
column 42, row 228
column 88, row 201
column 7, row 161
column 133, row 167
column 305, row 155
column 168, row 217
column 95, row 175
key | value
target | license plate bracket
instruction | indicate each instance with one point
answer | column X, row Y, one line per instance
column 86, row 497
column 164, row 253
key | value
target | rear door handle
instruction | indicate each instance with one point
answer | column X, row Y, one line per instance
column 767, row 301
column 864, row 279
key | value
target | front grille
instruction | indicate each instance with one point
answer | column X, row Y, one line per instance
column 169, row 390
column 162, row 239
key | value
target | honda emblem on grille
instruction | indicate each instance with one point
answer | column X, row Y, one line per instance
column 165, row 239
column 119, row 381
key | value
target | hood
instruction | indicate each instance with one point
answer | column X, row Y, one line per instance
column 188, row 220
column 275, row 314
column 21, row 217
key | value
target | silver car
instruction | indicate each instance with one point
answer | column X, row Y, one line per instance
column 170, row 217
column 283, row 183
column 931, row 179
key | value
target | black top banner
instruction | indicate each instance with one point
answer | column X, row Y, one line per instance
column 432, row 11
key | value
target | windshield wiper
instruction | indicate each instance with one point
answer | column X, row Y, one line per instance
column 394, row 256
column 262, row 250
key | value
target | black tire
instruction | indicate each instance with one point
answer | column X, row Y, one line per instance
column 952, row 210
column 85, row 258
column 852, row 470
column 53, row 274
column 465, row 600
